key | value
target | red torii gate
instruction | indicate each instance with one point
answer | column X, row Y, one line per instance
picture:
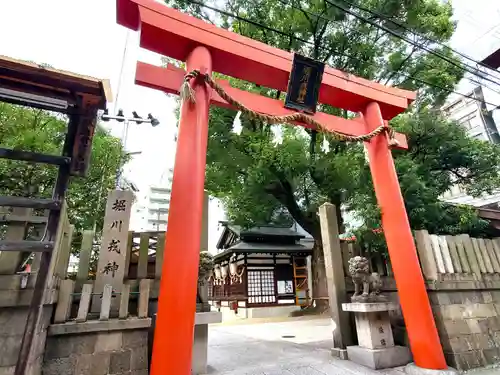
column 208, row 48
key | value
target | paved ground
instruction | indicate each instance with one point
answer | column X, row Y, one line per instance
column 297, row 347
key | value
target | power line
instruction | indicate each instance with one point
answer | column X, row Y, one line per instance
column 330, row 20
column 262, row 26
column 399, row 36
column 387, row 18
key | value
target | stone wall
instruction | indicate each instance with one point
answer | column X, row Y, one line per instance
column 115, row 347
column 12, row 324
column 467, row 316
column 468, row 322
column 14, row 303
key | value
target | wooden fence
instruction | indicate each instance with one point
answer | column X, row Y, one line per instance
column 69, row 298
column 144, row 249
column 439, row 256
column 378, row 262
column 21, row 223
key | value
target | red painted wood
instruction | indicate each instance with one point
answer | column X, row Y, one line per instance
column 170, row 79
column 172, row 33
column 422, row 333
column 172, row 349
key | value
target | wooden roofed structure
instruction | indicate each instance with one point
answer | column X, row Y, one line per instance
column 79, row 97
column 40, row 86
column 260, row 267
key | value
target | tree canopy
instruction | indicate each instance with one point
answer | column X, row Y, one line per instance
column 44, row 132
column 263, row 175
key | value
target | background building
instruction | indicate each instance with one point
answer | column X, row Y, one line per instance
column 150, row 212
column 478, row 111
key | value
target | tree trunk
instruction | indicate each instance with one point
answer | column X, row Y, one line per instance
column 320, row 288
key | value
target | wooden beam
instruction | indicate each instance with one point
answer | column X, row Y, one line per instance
column 170, row 79
column 31, row 246
column 30, row 219
column 489, row 214
column 172, row 33
column 49, row 204
column 33, row 157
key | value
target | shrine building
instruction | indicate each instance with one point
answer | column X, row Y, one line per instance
column 260, row 272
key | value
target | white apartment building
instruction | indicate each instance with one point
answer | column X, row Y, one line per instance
column 480, row 116
column 150, row 213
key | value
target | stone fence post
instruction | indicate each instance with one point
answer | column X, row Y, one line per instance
column 335, row 278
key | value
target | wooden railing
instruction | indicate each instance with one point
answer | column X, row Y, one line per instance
column 21, row 223
column 439, row 255
column 84, row 300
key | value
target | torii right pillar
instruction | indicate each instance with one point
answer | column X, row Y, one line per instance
column 422, row 333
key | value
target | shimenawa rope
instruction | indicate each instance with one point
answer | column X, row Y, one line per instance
column 187, row 93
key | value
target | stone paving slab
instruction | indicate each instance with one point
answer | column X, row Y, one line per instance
column 261, row 349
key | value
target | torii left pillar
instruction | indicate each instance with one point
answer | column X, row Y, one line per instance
column 182, row 253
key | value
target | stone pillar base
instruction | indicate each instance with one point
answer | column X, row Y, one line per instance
column 339, row 353
column 412, row 369
column 376, row 359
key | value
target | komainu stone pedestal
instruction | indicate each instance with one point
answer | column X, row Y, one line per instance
column 376, row 347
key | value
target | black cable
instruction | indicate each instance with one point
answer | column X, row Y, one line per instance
column 387, row 18
column 258, row 24
column 399, row 36
column 424, row 64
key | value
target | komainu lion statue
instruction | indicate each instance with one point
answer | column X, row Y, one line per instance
column 364, row 281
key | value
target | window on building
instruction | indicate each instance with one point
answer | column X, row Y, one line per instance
column 261, row 287
column 468, row 121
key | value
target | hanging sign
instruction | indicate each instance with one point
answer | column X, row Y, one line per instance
column 304, row 83
column 85, row 125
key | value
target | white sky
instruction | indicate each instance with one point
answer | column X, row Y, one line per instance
column 83, row 37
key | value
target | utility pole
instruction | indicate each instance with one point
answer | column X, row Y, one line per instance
column 120, row 117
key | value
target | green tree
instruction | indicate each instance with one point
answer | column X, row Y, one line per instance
column 262, row 180
column 40, row 131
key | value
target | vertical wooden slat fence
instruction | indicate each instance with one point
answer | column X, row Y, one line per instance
column 442, row 255
column 68, row 296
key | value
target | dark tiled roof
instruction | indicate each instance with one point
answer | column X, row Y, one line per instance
column 264, row 248
column 265, row 231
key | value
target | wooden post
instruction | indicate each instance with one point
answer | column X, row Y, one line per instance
column 142, row 306
column 160, row 245
column 128, row 253
column 107, row 294
column 204, row 223
column 335, row 279
column 479, row 255
column 111, row 264
column 83, row 308
column 65, row 251
column 455, row 256
column 438, row 255
column 62, row 229
column 471, row 254
column 85, row 253
column 493, row 255
column 177, row 301
column 422, row 333
column 142, row 265
column 448, row 261
column 9, row 260
column 65, row 298
column 426, row 255
column 124, row 300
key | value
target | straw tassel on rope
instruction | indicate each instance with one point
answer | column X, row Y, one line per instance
column 187, row 93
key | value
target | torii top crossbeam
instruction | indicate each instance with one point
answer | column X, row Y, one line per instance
column 172, row 33
column 206, row 48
